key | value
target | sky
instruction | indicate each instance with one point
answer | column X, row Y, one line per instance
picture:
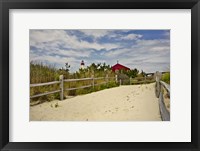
column 147, row 50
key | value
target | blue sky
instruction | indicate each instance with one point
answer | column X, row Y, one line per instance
column 147, row 50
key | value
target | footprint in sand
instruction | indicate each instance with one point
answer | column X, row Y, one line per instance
column 126, row 110
column 127, row 98
column 107, row 111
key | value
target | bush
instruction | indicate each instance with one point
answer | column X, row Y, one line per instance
column 112, row 84
column 166, row 77
column 72, row 93
column 124, row 78
column 41, row 73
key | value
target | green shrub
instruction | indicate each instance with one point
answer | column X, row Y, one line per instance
column 41, row 73
column 124, row 78
column 112, row 84
column 166, row 77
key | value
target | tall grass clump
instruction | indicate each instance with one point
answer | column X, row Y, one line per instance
column 166, row 77
column 41, row 73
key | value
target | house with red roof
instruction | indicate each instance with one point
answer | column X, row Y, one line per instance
column 117, row 67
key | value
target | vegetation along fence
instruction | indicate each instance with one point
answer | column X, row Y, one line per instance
column 62, row 89
column 162, row 89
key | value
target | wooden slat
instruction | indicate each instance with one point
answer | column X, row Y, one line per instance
column 142, row 82
column 42, row 84
column 99, row 78
column 86, row 86
column 72, row 80
column 46, row 93
column 165, row 115
column 166, row 86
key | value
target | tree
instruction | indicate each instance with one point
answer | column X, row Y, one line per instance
column 131, row 73
column 142, row 74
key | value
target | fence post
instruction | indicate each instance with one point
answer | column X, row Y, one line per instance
column 116, row 78
column 158, row 87
column 106, row 79
column 120, row 82
column 61, row 87
column 165, row 115
column 93, row 81
column 130, row 80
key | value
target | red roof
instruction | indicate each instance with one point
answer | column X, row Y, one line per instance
column 119, row 67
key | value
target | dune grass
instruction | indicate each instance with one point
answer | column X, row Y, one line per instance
column 41, row 73
column 166, row 77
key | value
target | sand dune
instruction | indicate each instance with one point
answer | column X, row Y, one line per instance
column 124, row 103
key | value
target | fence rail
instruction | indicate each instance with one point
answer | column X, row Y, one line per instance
column 61, row 82
column 46, row 93
column 166, row 86
column 43, row 84
column 160, row 85
column 100, row 83
column 74, row 80
column 82, row 87
column 142, row 80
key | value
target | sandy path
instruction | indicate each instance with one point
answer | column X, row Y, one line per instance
column 124, row 103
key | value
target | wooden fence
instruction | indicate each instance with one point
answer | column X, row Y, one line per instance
column 159, row 87
column 142, row 80
column 62, row 89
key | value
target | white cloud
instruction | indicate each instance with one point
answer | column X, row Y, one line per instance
column 58, row 47
column 155, row 42
column 147, row 55
column 117, row 53
column 97, row 46
column 57, row 60
column 95, row 33
column 52, row 39
column 131, row 37
column 40, row 36
column 110, row 33
column 74, row 53
column 142, row 47
column 160, row 48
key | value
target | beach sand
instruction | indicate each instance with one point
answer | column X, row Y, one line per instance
column 124, row 103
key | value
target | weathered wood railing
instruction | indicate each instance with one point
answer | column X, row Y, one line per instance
column 160, row 85
column 62, row 89
column 142, row 80
column 44, row 84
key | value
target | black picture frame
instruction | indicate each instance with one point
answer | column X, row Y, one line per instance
column 5, row 5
